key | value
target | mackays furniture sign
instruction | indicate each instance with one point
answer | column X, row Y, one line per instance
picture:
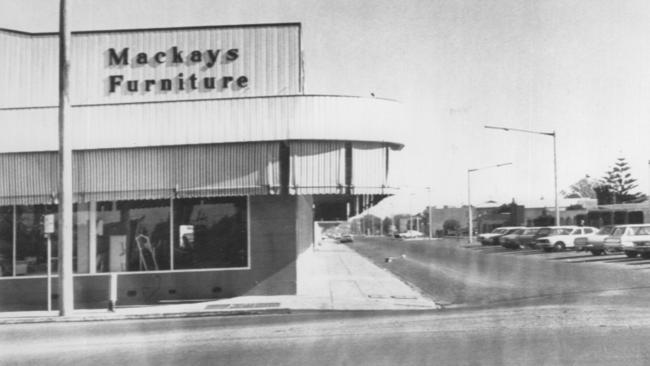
column 185, row 64
column 207, row 60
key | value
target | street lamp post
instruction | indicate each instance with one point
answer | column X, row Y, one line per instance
column 557, row 209
column 469, row 201
column 429, row 210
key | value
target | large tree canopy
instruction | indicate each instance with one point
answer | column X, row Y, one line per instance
column 617, row 185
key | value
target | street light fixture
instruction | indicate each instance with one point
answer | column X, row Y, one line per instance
column 469, row 202
column 557, row 209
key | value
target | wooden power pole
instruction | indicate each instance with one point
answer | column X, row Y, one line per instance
column 66, row 289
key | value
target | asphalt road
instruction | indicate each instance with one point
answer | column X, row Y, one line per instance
column 456, row 274
column 506, row 308
column 539, row 336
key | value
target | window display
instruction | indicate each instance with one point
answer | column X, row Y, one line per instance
column 212, row 233
column 131, row 236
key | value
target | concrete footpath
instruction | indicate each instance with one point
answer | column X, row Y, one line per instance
column 331, row 276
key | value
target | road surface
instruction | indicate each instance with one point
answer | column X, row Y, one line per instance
column 451, row 272
column 506, row 308
column 527, row 336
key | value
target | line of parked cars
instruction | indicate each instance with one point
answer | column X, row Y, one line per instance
column 631, row 239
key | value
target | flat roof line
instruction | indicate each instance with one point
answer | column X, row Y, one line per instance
column 157, row 29
column 202, row 100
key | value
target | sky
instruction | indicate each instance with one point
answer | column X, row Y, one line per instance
column 580, row 68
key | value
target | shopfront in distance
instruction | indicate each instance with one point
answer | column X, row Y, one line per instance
column 199, row 165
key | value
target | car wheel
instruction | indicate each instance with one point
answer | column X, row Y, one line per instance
column 548, row 250
column 596, row 252
column 559, row 247
column 630, row 254
column 645, row 255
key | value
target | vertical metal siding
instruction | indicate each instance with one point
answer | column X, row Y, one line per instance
column 268, row 55
column 368, row 167
column 28, row 65
column 28, row 178
column 144, row 173
column 205, row 122
column 317, row 167
column 197, row 171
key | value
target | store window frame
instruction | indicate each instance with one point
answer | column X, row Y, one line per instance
column 248, row 265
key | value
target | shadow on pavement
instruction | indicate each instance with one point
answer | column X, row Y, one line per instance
column 522, row 251
column 621, row 260
column 529, row 252
column 639, row 263
column 573, row 257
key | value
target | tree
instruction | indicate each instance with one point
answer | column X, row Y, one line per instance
column 583, row 188
column 617, row 184
column 450, row 225
column 388, row 226
column 604, row 194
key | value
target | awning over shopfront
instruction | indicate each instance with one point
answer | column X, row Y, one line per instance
column 207, row 170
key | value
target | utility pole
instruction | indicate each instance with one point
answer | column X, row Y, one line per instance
column 66, row 289
column 469, row 198
column 429, row 210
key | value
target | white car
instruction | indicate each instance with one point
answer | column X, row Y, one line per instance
column 410, row 234
column 595, row 243
column 563, row 237
column 631, row 239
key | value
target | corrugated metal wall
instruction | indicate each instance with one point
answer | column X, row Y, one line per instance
column 269, row 56
column 28, row 178
column 368, row 167
column 301, row 117
column 29, row 69
column 148, row 173
column 317, row 167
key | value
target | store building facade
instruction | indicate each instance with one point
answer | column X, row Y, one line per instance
column 199, row 164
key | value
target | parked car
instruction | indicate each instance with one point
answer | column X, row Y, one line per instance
column 491, row 238
column 563, row 237
column 511, row 241
column 410, row 234
column 630, row 239
column 595, row 243
column 346, row 238
column 530, row 235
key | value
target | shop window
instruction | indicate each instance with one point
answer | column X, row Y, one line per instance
column 81, row 238
column 6, row 241
column 620, row 217
column 133, row 236
column 31, row 248
column 210, row 233
column 635, row 217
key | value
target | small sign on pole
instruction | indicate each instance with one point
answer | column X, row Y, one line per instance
column 48, row 230
column 48, row 224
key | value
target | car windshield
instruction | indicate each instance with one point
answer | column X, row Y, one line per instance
column 530, row 231
column 560, row 231
column 605, row 230
column 618, row 231
column 498, row 231
column 641, row 230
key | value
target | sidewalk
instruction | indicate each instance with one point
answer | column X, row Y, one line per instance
column 330, row 277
